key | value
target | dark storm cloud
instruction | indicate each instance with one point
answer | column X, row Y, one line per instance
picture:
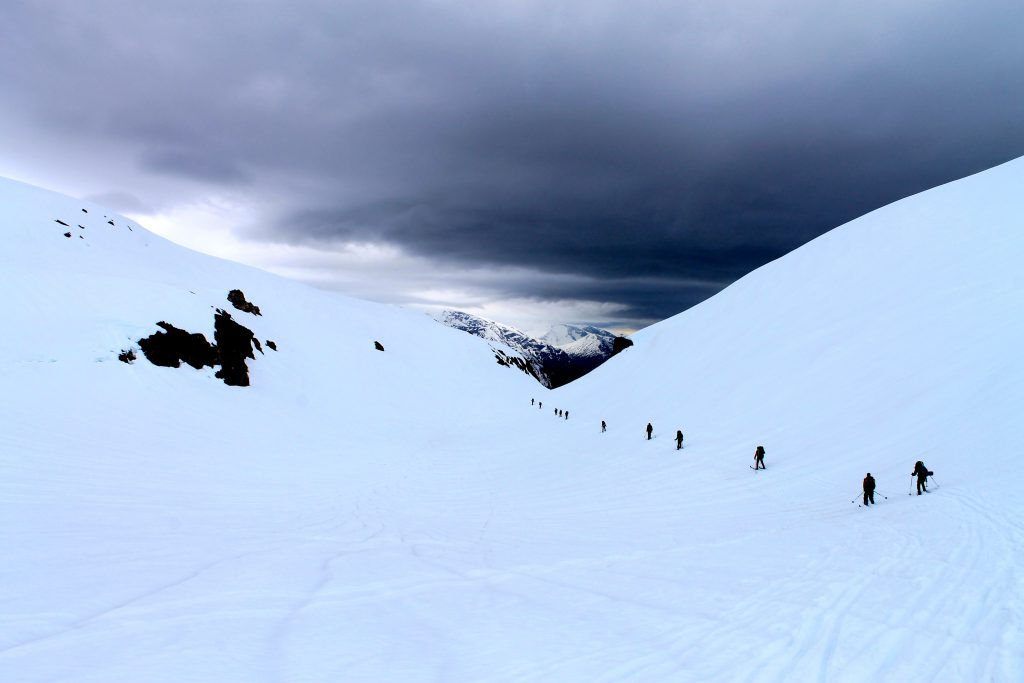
column 192, row 165
column 658, row 150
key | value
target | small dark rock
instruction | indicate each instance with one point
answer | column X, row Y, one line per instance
column 81, row 226
column 272, row 345
column 84, row 211
column 377, row 345
column 621, row 344
column 57, row 220
column 256, row 343
column 110, row 222
column 68, row 235
column 237, row 299
column 125, row 356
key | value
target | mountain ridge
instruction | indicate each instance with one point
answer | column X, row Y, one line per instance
column 581, row 348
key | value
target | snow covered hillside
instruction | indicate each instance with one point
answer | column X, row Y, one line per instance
column 414, row 515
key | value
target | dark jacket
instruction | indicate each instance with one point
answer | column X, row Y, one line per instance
column 920, row 470
column 869, row 484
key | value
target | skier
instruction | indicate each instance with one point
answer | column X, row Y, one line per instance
column 604, row 427
column 759, row 458
column 922, row 474
column 869, row 490
column 531, row 401
column 567, row 415
column 649, row 430
column 679, row 439
column 540, row 405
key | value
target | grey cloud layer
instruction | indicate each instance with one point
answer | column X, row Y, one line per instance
column 645, row 145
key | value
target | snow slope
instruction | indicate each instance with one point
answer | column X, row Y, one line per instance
column 409, row 516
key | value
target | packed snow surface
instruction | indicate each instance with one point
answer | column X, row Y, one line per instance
column 410, row 516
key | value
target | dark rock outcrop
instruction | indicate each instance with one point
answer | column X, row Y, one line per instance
column 234, row 345
column 237, row 299
column 377, row 345
column 621, row 344
column 272, row 345
column 126, row 356
column 172, row 346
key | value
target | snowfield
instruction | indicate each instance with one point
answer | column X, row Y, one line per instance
column 409, row 516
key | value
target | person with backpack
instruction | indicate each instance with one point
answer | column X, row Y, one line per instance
column 604, row 426
column 759, row 458
column 869, row 490
column 679, row 439
column 649, row 430
column 922, row 474
column 567, row 415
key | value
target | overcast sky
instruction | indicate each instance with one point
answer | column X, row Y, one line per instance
column 603, row 162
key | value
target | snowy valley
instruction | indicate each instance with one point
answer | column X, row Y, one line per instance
column 409, row 514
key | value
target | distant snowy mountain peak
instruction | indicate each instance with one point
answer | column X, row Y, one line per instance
column 580, row 348
column 563, row 335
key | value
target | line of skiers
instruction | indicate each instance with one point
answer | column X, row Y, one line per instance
column 558, row 411
column 920, row 471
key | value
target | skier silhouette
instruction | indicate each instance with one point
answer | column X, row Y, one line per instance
column 531, row 401
column 649, row 430
column 540, row 405
column 759, row 458
column 604, row 427
column 869, row 490
column 567, row 415
column 679, row 439
column 922, row 474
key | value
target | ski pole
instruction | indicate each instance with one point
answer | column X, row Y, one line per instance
column 883, row 495
column 910, row 491
column 855, row 499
